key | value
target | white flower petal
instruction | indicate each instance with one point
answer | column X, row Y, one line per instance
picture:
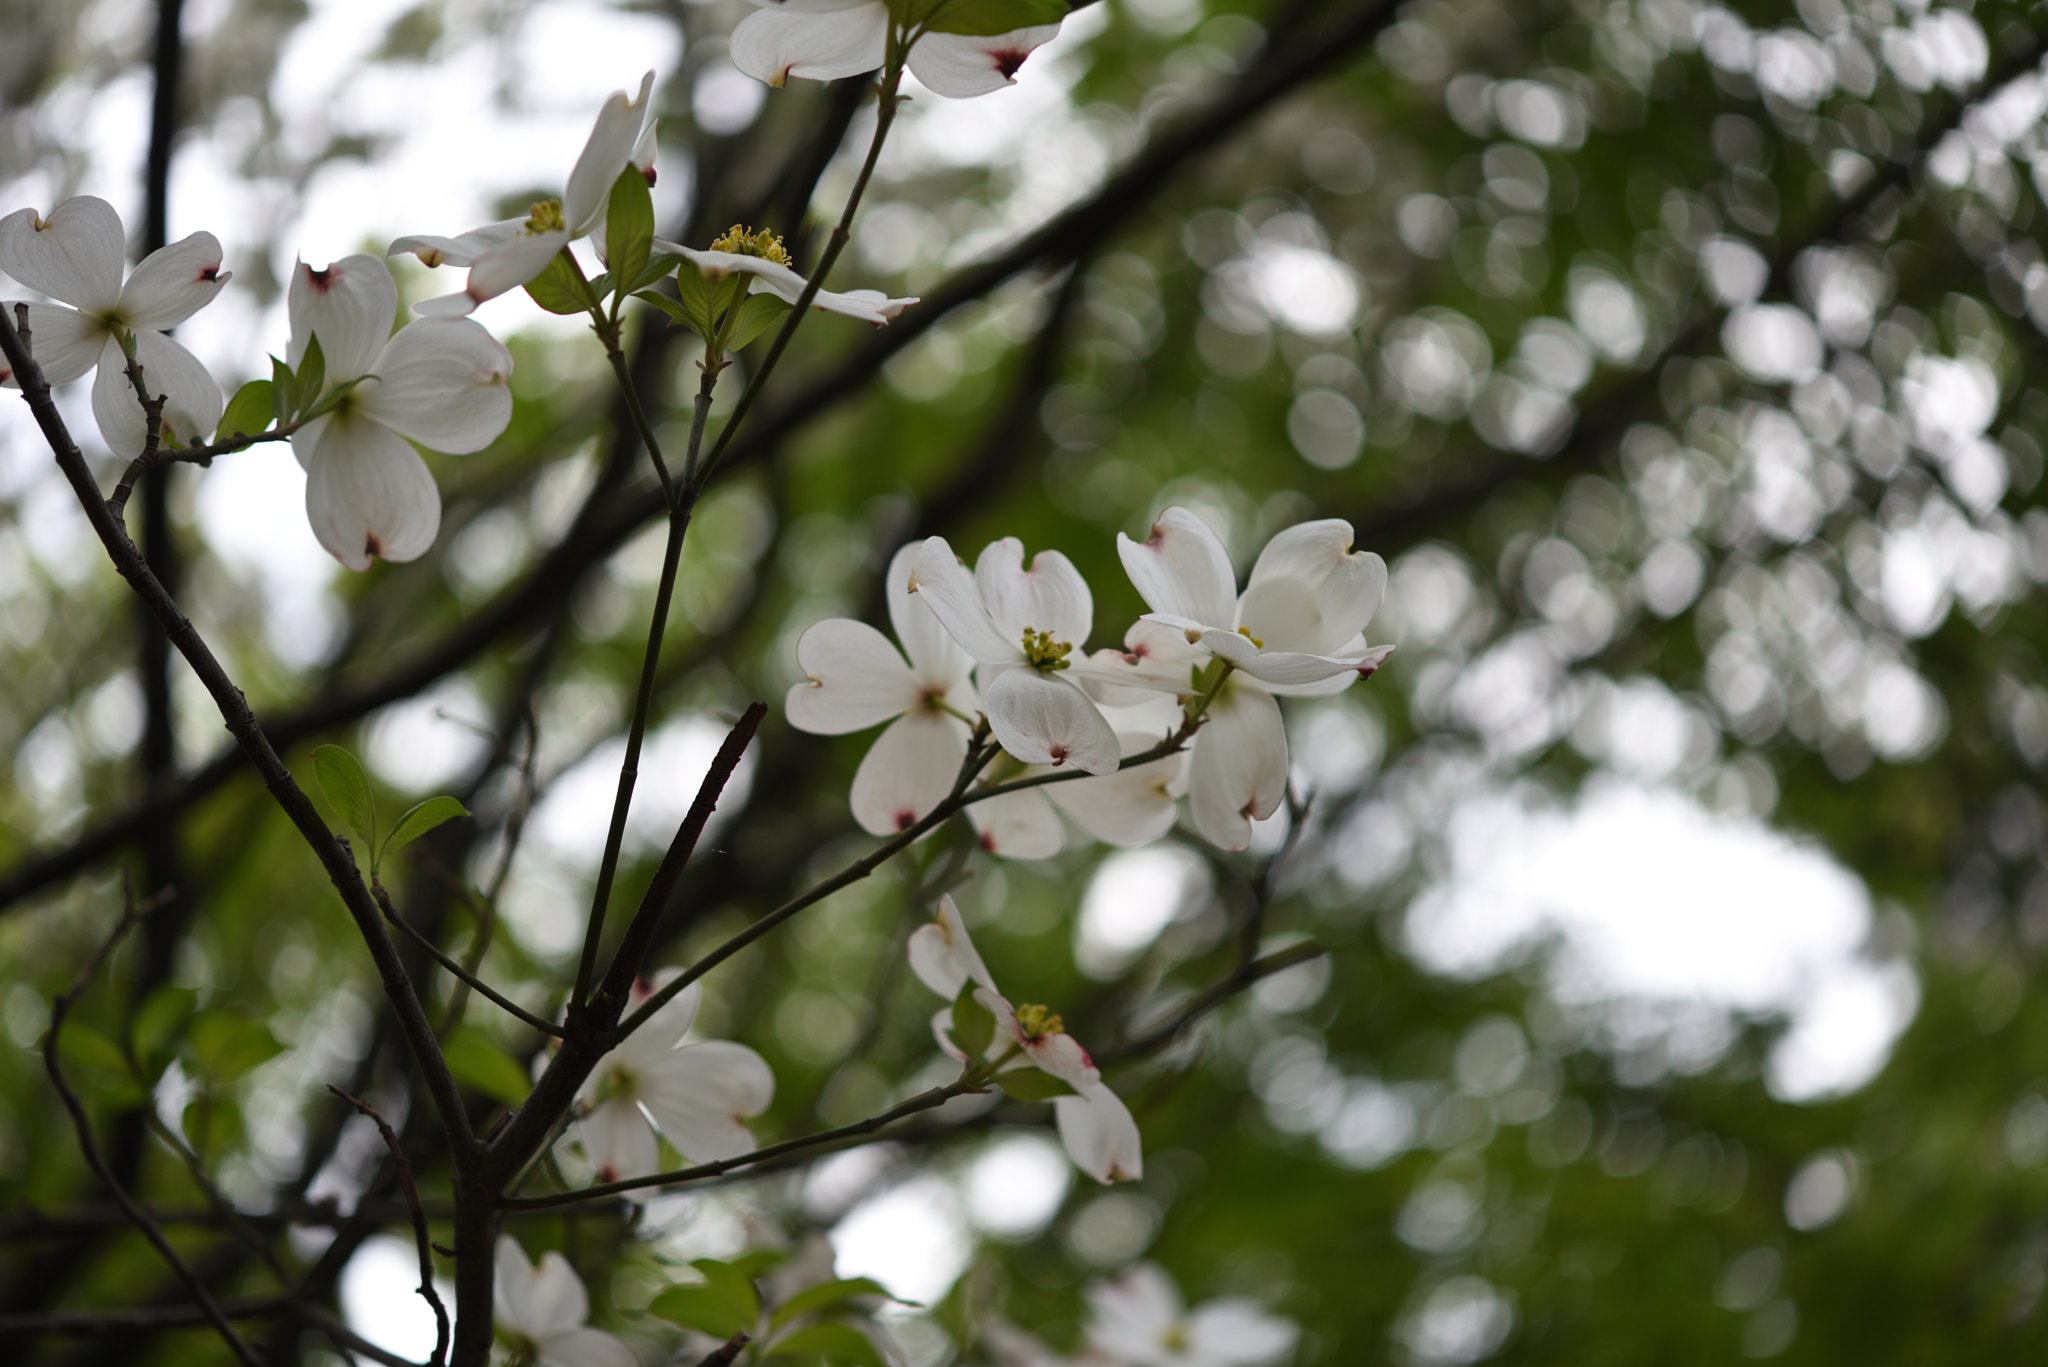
column 1019, row 825
column 511, row 1275
column 771, row 277
column 351, row 305
column 821, row 45
column 173, row 283
column 1289, row 668
column 943, row 956
column 369, row 495
column 1050, row 596
column 1228, row 645
column 608, row 152
column 1239, row 769
column 666, row 1027
column 194, row 401
column 586, row 1347
column 1240, row 1331
column 942, row 584
column 870, row 306
column 1044, row 721
column 462, row 250
column 618, row 1141
column 75, row 255
column 1129, row 807
column 443, row 383
column 1057, row 1053
column 555, row 1298
column 1182, row 569
column 908, row 771
column 960, row 67
column 1099, row 1134
column 64, row 342
column 937, row 660
column 1130, row 1313
column 1344, row 587
column 1155, row 658
column 857, row 679
column 504, row 267
column 700, row 1093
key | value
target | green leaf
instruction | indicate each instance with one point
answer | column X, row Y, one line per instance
column 974, row 1025
column 629, row 225
column 824, row 1296
column 986, row 18
column 700, row 297
column 91, row 1048
column 708, row 1307
column 658, row 265
column 347, row 789
column 670, row 307
column 832, row 1342
column 284, row 391
column 249, row 412
column 561, row 288
column 312, row 374
column 753, row 317
column 756, row 1262
column 1028, row 1084
column 227, row 1044
column 734, row 1281
column 157, row 1022
column 416, row 821
column 480, row 1065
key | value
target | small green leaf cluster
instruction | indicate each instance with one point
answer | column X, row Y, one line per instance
column 974, row 1029
column 346, row 787
column 818, row 1324
column 628, row 249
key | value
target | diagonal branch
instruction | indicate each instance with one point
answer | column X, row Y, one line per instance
column 419, row 1222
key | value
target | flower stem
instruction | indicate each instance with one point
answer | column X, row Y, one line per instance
column 643, row 702
column 885, row 115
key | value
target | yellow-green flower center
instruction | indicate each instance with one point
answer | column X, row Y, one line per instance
column 1038, row 1021
column 1246, row 632
column 1174, row 1339
column 1041, row 650
column 546, row 217
column 763, row 244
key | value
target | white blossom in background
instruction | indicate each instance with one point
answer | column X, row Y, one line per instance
column 1021, row 625
column 762, row 256
column 1297, row 630
column 505, row 255
column 856, row 679
column 441, row 382
column 1094, row 1124
column 824, row 40
column 543, row 1310
column 698, row 1095
column 75, row 256
column 1138, row 1319
column 1132, row 806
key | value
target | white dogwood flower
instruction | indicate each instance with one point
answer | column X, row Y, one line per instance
column 1021, row 626
column 1297, row 630
column 1095, row 1126
column 823, row 40
column 503, row 256
column 1138, row 1319
column 697, row 1095
column 762, row 256
column 1131, row 806
column 75, row 256
column 543, row 1310
column 441, row 382
column 856, row 679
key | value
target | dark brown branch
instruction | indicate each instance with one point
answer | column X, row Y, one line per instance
column 60, row 1010
column 725, row 1354
column 1238, row 979
column 419, row 1222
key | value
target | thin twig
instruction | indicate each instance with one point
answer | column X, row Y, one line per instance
column 447, row 962
column 419, row 1222
column 725, row 1354
column 60, row 1010
column 1236, row 981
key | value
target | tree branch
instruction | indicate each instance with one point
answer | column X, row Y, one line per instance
column 419, row 1223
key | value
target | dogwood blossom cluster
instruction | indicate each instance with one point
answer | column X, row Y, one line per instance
column 1138, row 1319
column 75, row 255
column 1004, row 645
column 543, row 1312
column 1094, row 1124
column 697, row 1095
